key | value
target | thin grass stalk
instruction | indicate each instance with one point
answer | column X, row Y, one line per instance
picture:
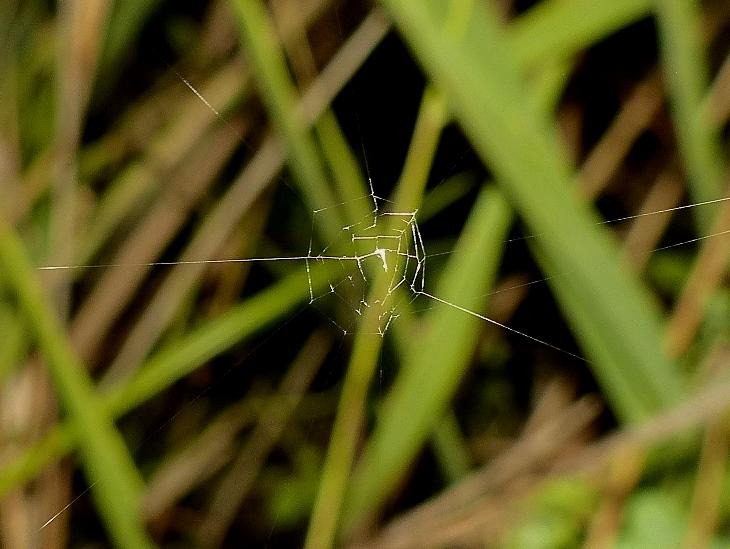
column 15, row 342
column 346, row 429
column 82, row 29
column 278, row 93
column 685, row 70
column 366, row 350
column 432, row 370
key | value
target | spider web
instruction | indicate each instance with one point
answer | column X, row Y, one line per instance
column 385, row 240
column 391, row 239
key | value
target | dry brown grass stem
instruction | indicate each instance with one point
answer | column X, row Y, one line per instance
column 707, row 274
column 531, row 451
column 238, row 480
column 635, row 116
column 481, row 491
column 245, row 189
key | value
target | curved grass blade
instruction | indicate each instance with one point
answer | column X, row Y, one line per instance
column 561, row 28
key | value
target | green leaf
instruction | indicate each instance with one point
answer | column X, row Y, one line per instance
column 115, row 482
column 685, row 70
column 481, row 77
column 561, row 28
column 174, row 362
column 280, row 97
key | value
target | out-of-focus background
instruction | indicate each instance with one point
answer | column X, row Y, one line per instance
column 415, row 273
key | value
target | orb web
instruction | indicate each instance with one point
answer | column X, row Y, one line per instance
column 386, row 241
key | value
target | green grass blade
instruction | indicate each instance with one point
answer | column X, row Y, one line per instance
column 173, row 363
column 432, row 369
column 14, row 344
column 430, row 123
column 126, row 21
column 132, row 191
column 348, row 423
column 179, row 359
column 561, row 28
column 445, row 194
column 345, row 170
column 685, row 70
column 280, row 97
column 450, row 449
column 482, row 80
column 57, row 443
column 115, row 481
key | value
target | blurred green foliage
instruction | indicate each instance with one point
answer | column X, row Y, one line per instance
column 136, row 135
